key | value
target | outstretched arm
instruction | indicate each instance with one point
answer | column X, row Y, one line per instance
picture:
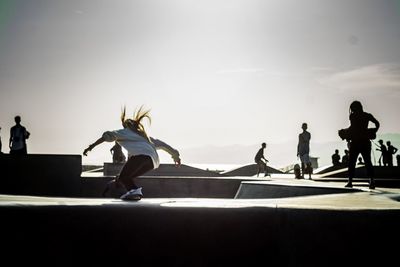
column 90, row 147
column 167, row 148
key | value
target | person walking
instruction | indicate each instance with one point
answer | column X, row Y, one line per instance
column 261, row 161
column 303, row 150
column 142, row 151
column 358, row 135
column 18, row 137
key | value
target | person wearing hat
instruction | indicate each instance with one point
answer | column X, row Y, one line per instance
column 142, row 152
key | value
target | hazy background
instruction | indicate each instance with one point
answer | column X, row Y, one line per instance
column 217, row 75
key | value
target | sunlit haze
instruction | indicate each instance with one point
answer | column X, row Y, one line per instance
column 214, row 73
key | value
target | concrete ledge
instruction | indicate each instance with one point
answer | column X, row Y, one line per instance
column 150, row 233
column 42, row 175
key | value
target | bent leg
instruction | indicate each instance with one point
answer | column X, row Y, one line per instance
column 134, row 167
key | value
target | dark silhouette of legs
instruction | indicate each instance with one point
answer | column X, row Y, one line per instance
column 365, row 150
column 135, row 166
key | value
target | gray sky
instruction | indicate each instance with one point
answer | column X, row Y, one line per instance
column 212, row 72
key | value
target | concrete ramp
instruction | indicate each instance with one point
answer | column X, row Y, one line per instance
column 255, row 190
column 249, row 170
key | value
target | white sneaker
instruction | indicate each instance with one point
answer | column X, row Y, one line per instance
column 134, row 194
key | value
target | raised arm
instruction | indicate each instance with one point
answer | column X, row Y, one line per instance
column 167, row 148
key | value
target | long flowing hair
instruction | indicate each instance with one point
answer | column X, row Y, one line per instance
column 136, row 124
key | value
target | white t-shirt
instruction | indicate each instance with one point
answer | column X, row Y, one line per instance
column 135, row 144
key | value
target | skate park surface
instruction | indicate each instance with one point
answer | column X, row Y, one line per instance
column 202, row 221
column 309, row 230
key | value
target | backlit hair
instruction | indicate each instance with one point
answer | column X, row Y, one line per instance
column 135, row 124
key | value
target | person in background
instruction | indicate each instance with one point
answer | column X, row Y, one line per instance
column 303, row 151
column 383, row 159
column 391, row 150
column 261, row 160
column 18, row 137
column 336, row 158
column 345, row 158
column 142, row 152
column 0, row 143
column 118, row 155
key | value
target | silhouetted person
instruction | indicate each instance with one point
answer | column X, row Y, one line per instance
column 142, row 152
column 360, row 161
column 303, row 151
column 383, row 159
column 18, row 136
column 345, row 158
column 261, row 160
column 398, row 160
column 0, row 143
column 391, row 150
column 118, row 155
column 359, row 141
column 336, row 158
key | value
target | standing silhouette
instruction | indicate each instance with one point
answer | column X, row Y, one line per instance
column 398, row 160
column 383, row 159
column 336, row 158
column 359, row 141
column 0, row 143
column 303, row 150
column 142, row 151
column 261, row 160
column 18, row 136
column 118, row 155
column 391, row 150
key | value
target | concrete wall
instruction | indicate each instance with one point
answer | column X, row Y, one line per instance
column 165, row 187
column 41, row 175
column 140, row 235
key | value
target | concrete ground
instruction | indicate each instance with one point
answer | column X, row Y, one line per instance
column 358, row 226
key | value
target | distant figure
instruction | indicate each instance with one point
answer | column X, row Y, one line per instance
column 18, row 136
column 336, row 158
column 383, row 159
column 142, row 153
column 360, row 161
column 261, row 161
column 345, row 158
column 0, row 143
column 391, row 150
column 303, row 150
column 118, row 155
column 359, row 141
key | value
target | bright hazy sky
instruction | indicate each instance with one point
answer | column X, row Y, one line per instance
column 212, row 72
